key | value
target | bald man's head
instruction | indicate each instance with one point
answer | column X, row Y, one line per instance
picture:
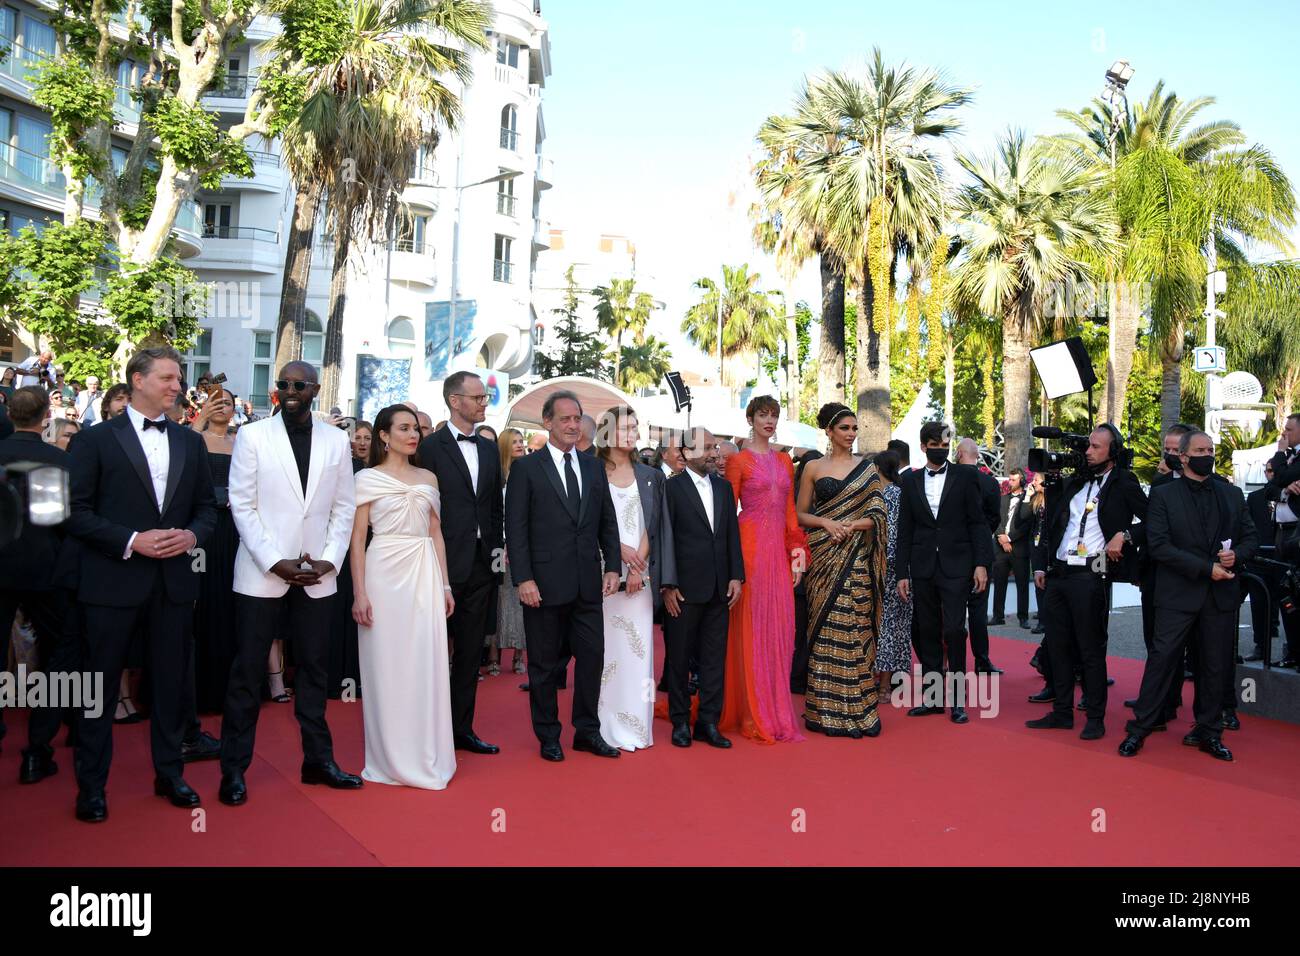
column 968, row 452
column 301, row 370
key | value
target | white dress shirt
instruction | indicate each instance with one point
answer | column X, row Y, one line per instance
column 468, row 451
column 668, row 472
column 934, row 487
column 557, row 456
column 1012, row 507
column 157, row 452
column 1093, row 539
column 705, row 488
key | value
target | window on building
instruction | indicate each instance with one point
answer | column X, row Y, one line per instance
column 261, row 379
column 118, row 155
column 6, row 130
column 423, row 168
column 7, row 345
column 501, row 268
column 401, row 336
column 510, row 128
column 505, row 195
column 34, row 148
column 216, row 219
column 412, row 233
column 8, row 27
column 313, row 341
column 198, row 360
column 38, row 37
column 508, row 52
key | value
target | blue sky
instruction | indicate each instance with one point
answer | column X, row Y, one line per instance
column 652, row 107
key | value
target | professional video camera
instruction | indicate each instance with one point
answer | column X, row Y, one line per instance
column 1285, row 573
column 1054, row 462
column 31, row 492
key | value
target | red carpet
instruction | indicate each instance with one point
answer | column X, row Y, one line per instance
column 924, row 793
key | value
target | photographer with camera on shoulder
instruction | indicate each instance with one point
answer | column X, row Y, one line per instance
column 1284, row 495
column 1089, row 539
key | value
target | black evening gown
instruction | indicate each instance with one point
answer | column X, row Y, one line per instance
column 344, row 660
column 214, row 612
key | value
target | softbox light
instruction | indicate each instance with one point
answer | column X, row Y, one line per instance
column 1064, row 367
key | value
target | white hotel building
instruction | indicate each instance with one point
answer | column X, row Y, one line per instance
column 475, row 262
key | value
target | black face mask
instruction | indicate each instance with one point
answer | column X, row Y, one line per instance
column 1202, row 465
column 1173, row 462
column 936, row 456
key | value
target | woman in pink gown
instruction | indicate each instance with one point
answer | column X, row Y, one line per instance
column 760, row 640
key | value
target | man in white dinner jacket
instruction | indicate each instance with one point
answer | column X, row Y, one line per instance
column 292, row 498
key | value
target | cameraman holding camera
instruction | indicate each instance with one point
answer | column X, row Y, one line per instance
column 1089, row 538
column 1200, row 536
column 1284, row 492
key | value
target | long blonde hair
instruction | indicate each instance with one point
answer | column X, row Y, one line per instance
column 505, row 449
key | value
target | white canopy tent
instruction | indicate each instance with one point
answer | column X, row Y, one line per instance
column 595, row 396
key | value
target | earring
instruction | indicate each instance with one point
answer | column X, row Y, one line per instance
column 385, row 446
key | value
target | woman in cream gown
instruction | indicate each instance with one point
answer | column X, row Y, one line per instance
column 401, row 607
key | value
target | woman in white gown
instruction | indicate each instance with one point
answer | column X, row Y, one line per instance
column 401, row 607
column 627, row 684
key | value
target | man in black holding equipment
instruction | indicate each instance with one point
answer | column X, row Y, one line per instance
column 1285, row 494
column 1199, row 532
column 1089, row 538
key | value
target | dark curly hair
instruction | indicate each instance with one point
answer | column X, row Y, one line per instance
column 831, row 413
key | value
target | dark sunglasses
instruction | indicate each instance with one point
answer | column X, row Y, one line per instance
column 283, row 386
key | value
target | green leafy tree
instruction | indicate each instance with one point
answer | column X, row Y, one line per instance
column 574, row 352
column 751, row 323
column 621, row 309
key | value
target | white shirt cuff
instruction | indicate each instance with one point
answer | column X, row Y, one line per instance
column 130, row 541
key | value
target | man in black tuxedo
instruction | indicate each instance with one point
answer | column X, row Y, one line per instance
column 565, row 558
column 1199, row 531
column 469, row 479
column 142, row 500
column 943, row 552
column 27, row 579
column 1089, row 539
column 1284, row 492
column 702, row 573
column 1012, row 541
column 977, row 609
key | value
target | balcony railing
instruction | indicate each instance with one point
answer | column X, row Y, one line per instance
column 424, row 173
column 509, row 139
column 502, row 271
column 421, row 247
column 211, row 231
column 235, row 86
column 22, row 63
column 506, row 204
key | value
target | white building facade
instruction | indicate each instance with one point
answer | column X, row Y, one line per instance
column 404, row 297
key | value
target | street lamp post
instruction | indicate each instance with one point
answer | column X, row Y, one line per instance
column 1117, row 78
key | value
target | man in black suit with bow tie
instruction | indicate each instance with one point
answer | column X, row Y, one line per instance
column 944, row 551
column 1200, row 534
column 703, row 570
column 469, row 482
column 565, row 559
column 142, row 501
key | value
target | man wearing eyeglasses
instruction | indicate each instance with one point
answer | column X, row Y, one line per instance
column 469, row 482
column 292, row 499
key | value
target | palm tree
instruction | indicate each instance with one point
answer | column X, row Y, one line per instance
column 1260, row 332
column 621, row 308
column 1033, row 219
column 750, row 322
column 1174, row 187
column 365, row 115
column 644, row 364
column 865, row 180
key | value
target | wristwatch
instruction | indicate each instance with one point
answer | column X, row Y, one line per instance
column 1128, row 537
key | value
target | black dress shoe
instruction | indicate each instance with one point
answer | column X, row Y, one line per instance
column 92, row 807
column 1035, row 661
column 1110, row 682
column 1044, row 696
column 681, row 735
column 873, row 731
column 1231, row 721
column 1130, row 746
column 36, row 767
column 594, row 744
column 1192, row 738
column 997, row 621
column 552, row 752
column 1038, row 628
column 924, row 711
column 709, row 734
column 330, row 775
column 1050, row 722
column 1214, row 747
column 958, row 716
column 180, row 793
column 233, row 791
column 1083, row 704
column 1131, row 702
column 1253, row 657
column 1094, row 729
column 1024, row 623
column 206, row 747
column 525, row 686
column 474, row 745
column 987, row 667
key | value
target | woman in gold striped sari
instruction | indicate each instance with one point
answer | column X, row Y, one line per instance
column 842, row 503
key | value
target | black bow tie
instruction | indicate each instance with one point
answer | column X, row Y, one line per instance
column 936, row 474
column 468, row 438
column 160, row 424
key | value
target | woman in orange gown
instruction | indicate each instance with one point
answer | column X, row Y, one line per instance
column 760, row 640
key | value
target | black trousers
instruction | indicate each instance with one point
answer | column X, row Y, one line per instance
column 1214, row 633
column 57, row 652
column 1175, row 698
column 167, row 627
column 467, row 632
column 698, row 633
column 939, row 622
column 547, row 630
column 1263, row 612
column 1076, row 612
column 1003, row 566
column 309, row 631
column 977, row 610
column 802, row 645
